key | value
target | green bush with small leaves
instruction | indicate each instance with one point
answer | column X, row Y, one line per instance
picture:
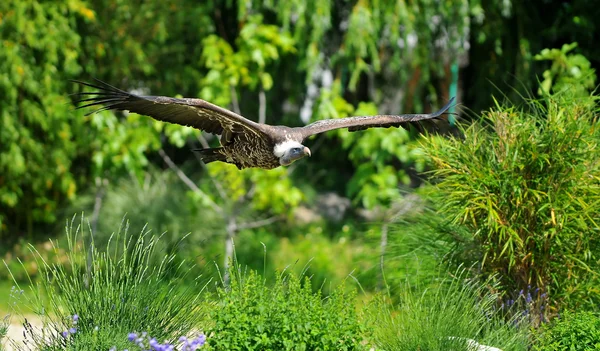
column 286, row 316
column 573, row 331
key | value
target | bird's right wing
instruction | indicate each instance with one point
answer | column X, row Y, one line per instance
column 195, row 113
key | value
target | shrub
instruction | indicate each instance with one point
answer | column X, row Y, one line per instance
column 287, row 316
column 453, row 316
column 121, row 292
column 574, row 331
column 525, row 182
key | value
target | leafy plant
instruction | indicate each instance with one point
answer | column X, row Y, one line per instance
column 570, row 73
column 524, row 182
column 458, row 314
column 122, row 291
column 36, row 144
column 287, row 316
column 574, row 331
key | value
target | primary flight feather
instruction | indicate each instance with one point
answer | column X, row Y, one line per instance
column 243, row 142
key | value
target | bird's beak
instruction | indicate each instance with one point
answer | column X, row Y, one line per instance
column 307, row 151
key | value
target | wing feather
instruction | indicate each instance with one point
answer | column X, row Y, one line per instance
column 196, row 113
column 365, row 122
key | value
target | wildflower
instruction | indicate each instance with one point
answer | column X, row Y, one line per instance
column 153, row 343
column 114, row 348
column 73, row 330
column 132, row 336
column 65, row 334
column 75, row 318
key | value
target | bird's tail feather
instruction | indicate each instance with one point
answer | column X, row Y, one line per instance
column 211, row 155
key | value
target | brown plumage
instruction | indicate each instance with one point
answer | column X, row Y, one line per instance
column 243, row 142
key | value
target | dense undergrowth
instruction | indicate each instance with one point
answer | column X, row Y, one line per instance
column 124, row 299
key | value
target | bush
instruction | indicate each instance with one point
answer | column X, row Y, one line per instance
column 525, row 183
column 453, row 316
column 287, row 316
column 572, row 331
column 121, row 292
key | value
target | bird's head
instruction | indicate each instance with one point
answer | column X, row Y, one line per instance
column 290, row 151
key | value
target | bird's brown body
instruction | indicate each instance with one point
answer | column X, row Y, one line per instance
column 243, row 142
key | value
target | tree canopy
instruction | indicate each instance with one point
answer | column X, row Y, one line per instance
column 286, row 62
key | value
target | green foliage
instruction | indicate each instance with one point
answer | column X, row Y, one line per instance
column 329, row 261
column 258, row 45
column 160, row 202
column 36, row 138
column 287, row 316
column 525, row 184
column 445, row 318
column 121, row 292
column 506, row 35
column 570, row 73
column 576, row 331
column 376, row 153
column 272, row 192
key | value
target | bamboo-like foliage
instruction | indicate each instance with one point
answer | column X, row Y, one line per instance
column 525, row 182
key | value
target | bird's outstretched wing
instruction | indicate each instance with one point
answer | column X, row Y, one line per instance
column 195, row 113
column 363, row 122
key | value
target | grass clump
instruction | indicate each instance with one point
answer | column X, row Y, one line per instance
column 574, row 331
column 457, row 315
column 286, row 316
column 95, row 305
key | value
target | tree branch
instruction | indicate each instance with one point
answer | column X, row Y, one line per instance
column 259, row 223
column 234, row 100
column 262, row 106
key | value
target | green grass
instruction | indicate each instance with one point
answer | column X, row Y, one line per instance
column 122, row 292
column 445, row 318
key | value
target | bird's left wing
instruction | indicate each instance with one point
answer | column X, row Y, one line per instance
column 363, row 122
column 195, row 113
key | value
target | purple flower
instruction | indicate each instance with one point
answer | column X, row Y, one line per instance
column 75, row 318
column 73, row 330
column 132, row 336
column 153, row 343
column 65, row 334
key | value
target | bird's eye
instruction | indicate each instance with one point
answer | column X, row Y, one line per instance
column 296, row 149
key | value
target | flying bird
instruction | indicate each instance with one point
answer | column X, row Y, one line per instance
column 244, row 143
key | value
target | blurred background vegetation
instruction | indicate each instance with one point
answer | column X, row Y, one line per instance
column 514, row 199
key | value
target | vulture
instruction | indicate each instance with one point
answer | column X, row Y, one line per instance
column 243, row 142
